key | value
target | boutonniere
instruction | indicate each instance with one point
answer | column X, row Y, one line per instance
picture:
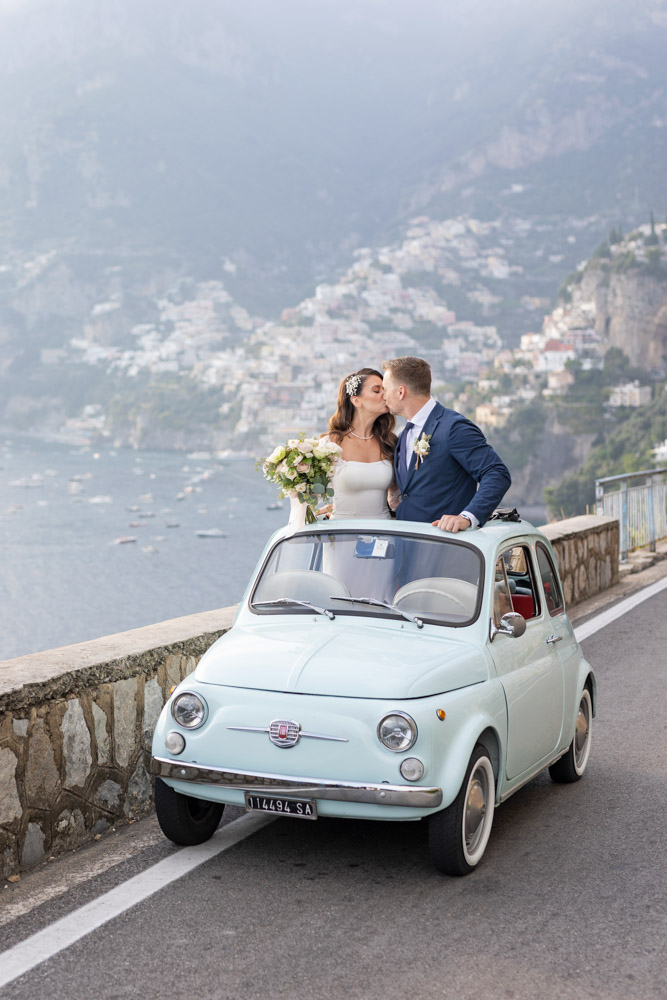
column 421, row 448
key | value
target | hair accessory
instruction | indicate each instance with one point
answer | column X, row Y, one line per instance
column 352, row 384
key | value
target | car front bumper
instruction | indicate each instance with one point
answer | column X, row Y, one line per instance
column 382, row 794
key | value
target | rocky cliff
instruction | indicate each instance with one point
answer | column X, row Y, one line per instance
column 630, row 312
column 624, row 288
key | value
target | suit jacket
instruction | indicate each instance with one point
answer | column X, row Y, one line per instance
column 446, row 480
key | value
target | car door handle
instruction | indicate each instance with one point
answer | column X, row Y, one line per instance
column 554, row 638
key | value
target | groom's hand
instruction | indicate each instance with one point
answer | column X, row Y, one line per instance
column 452, row 522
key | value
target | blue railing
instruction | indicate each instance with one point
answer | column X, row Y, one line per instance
column 638, row 500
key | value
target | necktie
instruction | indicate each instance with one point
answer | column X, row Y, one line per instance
column 405, row 455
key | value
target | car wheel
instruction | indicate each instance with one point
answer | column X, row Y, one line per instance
column 458, row 835
column 572, row 765
column 183, row 818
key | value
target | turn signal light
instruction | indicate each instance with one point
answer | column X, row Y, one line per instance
column 440, row 712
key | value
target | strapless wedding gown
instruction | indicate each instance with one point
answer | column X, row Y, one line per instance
column 360, row 488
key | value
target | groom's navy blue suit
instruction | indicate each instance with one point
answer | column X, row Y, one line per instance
column 445, row 482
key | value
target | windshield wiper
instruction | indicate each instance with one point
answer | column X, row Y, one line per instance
column 294, row 600
column 380, row 604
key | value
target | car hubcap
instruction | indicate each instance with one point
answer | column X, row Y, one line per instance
column 475, row 810
column 581, row 734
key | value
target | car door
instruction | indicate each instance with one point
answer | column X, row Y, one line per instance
column 529, row 667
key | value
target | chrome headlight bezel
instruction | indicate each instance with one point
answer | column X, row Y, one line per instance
column 410, row 727
column 201, row 713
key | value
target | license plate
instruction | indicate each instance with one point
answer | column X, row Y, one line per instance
column 300, row 808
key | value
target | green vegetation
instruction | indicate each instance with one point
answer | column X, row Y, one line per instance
column 521, row 437
column 581, row 409
column 175, row 402
column 626, row 449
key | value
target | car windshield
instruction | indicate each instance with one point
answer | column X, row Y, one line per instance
column 435, row 579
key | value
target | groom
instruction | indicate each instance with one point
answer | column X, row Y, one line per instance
column 441, row 457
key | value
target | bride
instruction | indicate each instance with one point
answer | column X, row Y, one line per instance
column 364, row 428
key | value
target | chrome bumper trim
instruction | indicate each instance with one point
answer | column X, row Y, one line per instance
column 381, row 794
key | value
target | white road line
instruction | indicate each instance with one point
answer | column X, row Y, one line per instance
column 98, row 858
column 607, row 617
column 64, row 932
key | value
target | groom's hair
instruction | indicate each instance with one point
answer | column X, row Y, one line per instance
column 413, row 373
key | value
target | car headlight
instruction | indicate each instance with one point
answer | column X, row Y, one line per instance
column 397, row 732
column 189, row 710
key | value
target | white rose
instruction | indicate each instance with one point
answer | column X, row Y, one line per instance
column 319, row 450
column 291, row 474
column 306, row 447
column 303, row 467
column 282, row 469
column 300, row 487
column 293, row 443
column 333, row 448
column 277, row 453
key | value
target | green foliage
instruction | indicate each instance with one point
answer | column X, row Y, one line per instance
column 521, row 437
column 626, row 449
column 603, row 250
column 655, row 265
column 564, row 295
column 624, row 262
column 174, row 402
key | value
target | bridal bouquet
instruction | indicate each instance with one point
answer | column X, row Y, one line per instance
column 303, row 469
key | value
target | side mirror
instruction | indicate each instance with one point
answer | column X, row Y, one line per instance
column 512, row 624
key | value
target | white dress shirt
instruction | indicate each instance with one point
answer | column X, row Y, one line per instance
column 418, row 422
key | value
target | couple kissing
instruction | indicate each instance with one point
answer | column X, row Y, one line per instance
column 440, row 468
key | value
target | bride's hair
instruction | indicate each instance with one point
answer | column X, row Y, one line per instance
column 340, row 423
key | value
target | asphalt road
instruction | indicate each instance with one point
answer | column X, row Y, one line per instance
column 570, row 900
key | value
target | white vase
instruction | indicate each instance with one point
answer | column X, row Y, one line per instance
column 297, row 514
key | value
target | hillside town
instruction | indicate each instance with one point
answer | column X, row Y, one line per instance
column 281, row 377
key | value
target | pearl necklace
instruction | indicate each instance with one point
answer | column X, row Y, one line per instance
column 361, row 437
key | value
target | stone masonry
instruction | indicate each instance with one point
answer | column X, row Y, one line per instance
column 76, row 725
column 587, row 551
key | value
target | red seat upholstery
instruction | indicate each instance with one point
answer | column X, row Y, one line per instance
column 523, row 603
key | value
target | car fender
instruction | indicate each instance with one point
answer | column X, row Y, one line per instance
column 456, row 753
column 585, row 677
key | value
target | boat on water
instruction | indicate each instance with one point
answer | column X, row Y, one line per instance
column 274, row 506
column 29, row 481
column 124, row 539
column 210, row 533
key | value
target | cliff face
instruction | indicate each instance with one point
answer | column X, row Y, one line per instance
column 631, row 313
column 559, row 452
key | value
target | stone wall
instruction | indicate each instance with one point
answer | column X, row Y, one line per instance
column 586, row 548
column 75, row 730
column 76, row 723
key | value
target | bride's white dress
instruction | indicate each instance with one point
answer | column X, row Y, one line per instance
column 360, row 488
column 360, row 491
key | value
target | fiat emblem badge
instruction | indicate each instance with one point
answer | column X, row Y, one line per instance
column 284, row 733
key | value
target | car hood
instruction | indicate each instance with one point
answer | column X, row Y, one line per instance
column 358, row 661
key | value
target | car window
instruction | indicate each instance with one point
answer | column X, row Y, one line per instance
column 521, row 581
column 501, row 591
column 552, row 592
column 437, row 580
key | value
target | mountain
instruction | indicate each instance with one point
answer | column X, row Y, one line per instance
column 152, row 151
column 280, row 136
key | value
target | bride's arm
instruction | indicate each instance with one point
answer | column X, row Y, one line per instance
column 393, row 496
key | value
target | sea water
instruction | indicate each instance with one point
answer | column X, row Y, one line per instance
column 64, row 575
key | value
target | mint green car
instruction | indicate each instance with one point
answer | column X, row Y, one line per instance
column 382, row 670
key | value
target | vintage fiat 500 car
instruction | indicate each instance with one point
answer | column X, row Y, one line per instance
column 382, row 670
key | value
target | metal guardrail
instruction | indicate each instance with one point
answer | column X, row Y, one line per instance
column 638, row 500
